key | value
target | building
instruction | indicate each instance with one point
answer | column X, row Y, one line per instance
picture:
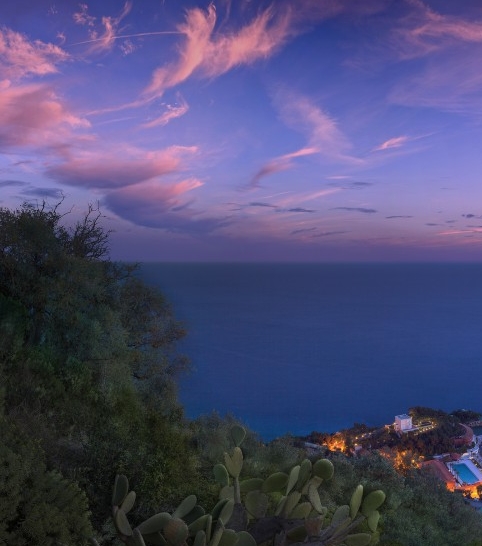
column 403, row 423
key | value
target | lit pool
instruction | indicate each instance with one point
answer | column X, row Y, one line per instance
column 464, row 473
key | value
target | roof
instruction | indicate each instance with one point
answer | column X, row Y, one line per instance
column 440, row 470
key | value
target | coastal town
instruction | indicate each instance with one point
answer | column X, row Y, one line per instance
column 448, row 445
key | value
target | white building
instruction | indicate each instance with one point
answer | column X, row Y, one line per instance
column 403, row 423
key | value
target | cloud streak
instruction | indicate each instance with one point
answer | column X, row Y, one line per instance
column 125, row 167
column 212, row 53
column 448, row 77
column 395, row 142
column 172, row 112
column 20, row 57
column 278, row 164
column 322, row 131
column 103, row 42
column 425, row 31
column 356, row 209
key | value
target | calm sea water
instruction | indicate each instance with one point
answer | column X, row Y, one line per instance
column 302, row 347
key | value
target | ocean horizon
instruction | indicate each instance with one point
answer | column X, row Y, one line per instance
column 297, row 347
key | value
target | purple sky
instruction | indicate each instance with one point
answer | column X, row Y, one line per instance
column 248, row 130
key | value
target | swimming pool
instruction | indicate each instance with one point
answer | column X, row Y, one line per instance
column 464, row 473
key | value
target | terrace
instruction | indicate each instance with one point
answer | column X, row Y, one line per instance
column 465, row 472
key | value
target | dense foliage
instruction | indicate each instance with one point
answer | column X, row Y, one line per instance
column 88, row 364
column 89, row 369
column 419, row 510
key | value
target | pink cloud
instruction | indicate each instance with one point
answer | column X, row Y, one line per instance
column 322, row 131
column 213, row 53
column 104, row 41
column 20, row 57
column 424, row 31
column 115, row 169
column 395, row 142
column 323, row 134
column 460, row 231
column 127, row 48
column 305, row 197
column 155, row 195
column 82, row 17
column 34, row 115
column 172, row 112
column 281, row 163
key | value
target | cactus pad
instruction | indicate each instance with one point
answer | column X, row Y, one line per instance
column 194, row 514
column 314, row 497
column 372, row 502
column 291, row 501
column 136, row 539
column 323, row 468
column 155, row 523
column 200, row 539
column 245, row 539
column 275, row 482
column 198, row 525
column 226, row 512
column 293, row 478
column 341, row 514
column 122, row 523
column 128, row 502
column 217, row 509
column 305, row 473
column 218, row 533
column 175, row 531
column 221, row 474
column 234, row 462
column 373, row 520
column 227, row 493
column 314, row 481
column 185, row 507
column 301, row 511
column 360, row 539
column 355, row 501
column 238, row 433
column 256, row 504
column 121, row 488
column 251, row 485
column 228, row 538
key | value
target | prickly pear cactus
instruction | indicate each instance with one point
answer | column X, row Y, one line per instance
column 283, row 509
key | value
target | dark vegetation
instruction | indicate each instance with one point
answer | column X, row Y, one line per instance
column 89, row 370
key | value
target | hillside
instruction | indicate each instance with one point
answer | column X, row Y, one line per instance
column 89, row 369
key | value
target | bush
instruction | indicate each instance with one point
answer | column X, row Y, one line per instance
column 37, row 506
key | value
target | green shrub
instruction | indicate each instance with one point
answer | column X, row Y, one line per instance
column 37, row 507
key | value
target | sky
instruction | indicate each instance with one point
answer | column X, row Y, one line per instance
column 245, row 130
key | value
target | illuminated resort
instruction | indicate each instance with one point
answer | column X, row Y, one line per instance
column 461, row 472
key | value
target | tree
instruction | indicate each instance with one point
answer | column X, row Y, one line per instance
column 81, row 305
column 88, row 359
column 466, row 416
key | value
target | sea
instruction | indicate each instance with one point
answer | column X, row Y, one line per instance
column 294, row 348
